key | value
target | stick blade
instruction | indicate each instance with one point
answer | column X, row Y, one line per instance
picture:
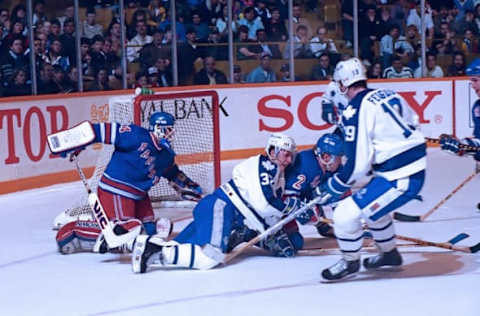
column 406, row 218
column 458, row 238
column 475, row 248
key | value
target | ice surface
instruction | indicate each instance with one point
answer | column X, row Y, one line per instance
column 36, row 280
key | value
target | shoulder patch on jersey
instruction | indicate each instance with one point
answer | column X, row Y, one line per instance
column 476, row 111
column 349, row 112
column 268, row 165
column 125, row 129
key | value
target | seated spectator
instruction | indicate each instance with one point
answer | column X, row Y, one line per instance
column 323, row 70
column 467, row 23
column 252, row 21
column 55, row 28
column 264, row 72
column 63, row 85
column 301, row 44
column 264, row 46
column 16, row 31
column 201, row 28
column 397, row 70
column 375, row 70
column 217, row 47
column 38, row 12
column 68, row 40
column 112, row 57
column 285, row 73
column 275, row 27
column 368, row 33
column 414, row 17
column 138, row 41
column 457, row 68
column 54, row 56
column 72, row 78
column 393, row 43
column 4, row 22
column 322, row 44
column 90, row 27
column 244, row 47
column 141, row 80
column 46, row 84
column 385, row 22
column 151, row 52
column 69, row 14
column 101, row 81
column 12, row 60
column 470, row 42
column 17, row 85
column 188, row 53
column 164, row 74
column 238, row 76
column 222, row 26
column 208, row 75
column 99, row 59
column 157, row 11
column 412, row 36
column 262, row 11
column 298, row 19
column 433, row 70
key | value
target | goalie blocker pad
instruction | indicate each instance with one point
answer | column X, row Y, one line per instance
column 77, row 136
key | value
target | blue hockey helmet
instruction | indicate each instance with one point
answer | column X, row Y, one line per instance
column 162, row 125
column 328, row 147
column 474, row 68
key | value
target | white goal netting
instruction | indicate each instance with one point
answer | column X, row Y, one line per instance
column 196, row 144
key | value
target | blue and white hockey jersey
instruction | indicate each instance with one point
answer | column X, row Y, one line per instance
column 378, row 136
column 476, row 119
column 137, row 162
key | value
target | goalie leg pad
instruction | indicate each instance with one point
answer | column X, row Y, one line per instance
column 78, row 236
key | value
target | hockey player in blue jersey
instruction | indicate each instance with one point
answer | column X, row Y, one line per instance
column 378, row 138
column 252, row 198
column 451, row 143
column 141, row 157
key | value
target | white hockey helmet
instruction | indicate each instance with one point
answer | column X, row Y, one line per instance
column 280, row 141
column 350, row 71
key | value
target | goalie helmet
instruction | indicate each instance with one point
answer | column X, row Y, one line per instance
column 162, row 125
column 474, row 68
column 350, row 71
column 328, row 147
column 279, row 141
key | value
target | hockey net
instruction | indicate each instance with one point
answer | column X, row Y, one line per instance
column 196, row 144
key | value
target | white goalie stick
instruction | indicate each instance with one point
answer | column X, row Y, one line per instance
column 113, row 239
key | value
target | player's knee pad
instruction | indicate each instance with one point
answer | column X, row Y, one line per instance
column 78, row 236
column 347, row 218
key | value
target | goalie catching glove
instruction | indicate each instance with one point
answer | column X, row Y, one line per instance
column 186, row 187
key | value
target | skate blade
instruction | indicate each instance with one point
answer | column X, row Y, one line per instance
column 386, row 269
column 349, row 277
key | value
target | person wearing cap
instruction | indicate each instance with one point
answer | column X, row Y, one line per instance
column 152, row 76
column 285, row 73
column 238, row 76
column 452, row 144
column 264, row 72
column 208, row 74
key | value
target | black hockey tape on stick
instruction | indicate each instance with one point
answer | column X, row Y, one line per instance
column 406, row 218
column 461, row 146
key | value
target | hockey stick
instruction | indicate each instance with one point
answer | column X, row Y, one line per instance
column 416, row 218
column 272, row 229
column 111, row 237
column 461, row 146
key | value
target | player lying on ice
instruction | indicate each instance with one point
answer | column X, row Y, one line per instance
column 379, row 138
column 451, row 143
column 141, row 157
column 252, row 198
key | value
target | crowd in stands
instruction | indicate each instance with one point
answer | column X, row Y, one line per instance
column 389, row 41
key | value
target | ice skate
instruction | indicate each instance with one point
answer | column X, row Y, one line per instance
column 145, row 253
column 391, row 258
column 341, row 269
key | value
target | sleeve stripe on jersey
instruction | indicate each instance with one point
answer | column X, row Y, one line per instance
column 114, row 132
column 102, row 132
column 108, row 133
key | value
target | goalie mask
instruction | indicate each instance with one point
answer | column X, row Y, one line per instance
column 329, row 151
column 348, row 72
column 162, row 125
column 278, row 142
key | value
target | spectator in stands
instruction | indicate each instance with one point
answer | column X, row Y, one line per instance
column 368, row 33
column 138, row 41
column 440, row 18
column 55, row 29
column 16, row 31
column 321, row 44
column 101, row 81
column 38, row 12
column 46, row 84
column 244, row 47
column 12, row 60
column 209, row 75
column 188, row 52
column 164, row 73
column 414, row 17
column 90, row 27
column 157, row 11
column 457, row 68
column 347, row 22
column 393, row 43
column 222, row 26
column 19, row 12
column 323, row 70
column 467, row 23
column 375, row 70
column 201, row 28
column 141, row 80
column 217, row 47
column 462, row 7
column 69, row 14
column 451, row 42
column 412, row 36
column 252, row 21
column 181, row 29
column 54, row 56
column 72, row 78
column 99, row 59
column 282, row 6
column 238, row 76
column 4, row 22
column 470, row 42
column 63, row 85
column 114, row 31
column 399, row 12
column 301, row 44
column 262, row 11
column 151, row 52
column 68, row 40
column 298, row 19
column 285, row 74
column 152, row 77
column 433, row 70
column 397, row 70
column 275, row 27
column 264, row 72
column 385, row 22
column 17, row 85
column 264, row 46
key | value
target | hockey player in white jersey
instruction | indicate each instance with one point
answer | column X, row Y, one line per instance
column 379, row 139
column 251, row 198
column 333, row 103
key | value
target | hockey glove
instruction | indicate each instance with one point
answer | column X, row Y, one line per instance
column 451, row 144
column 278, row 244
column 188, row 189
column 331, row 191
column 329, row 114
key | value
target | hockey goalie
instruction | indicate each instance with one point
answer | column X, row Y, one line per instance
column 141, row 157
